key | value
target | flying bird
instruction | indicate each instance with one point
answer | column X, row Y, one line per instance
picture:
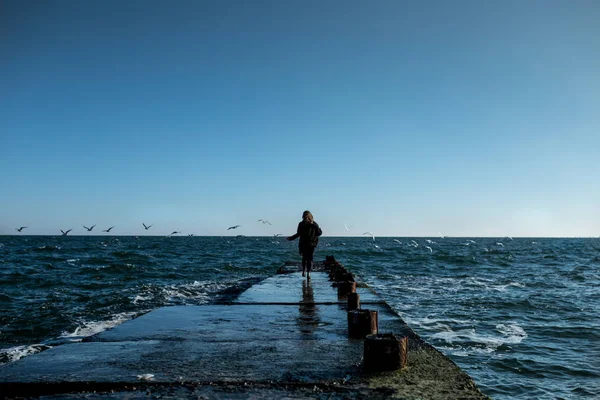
column 174, row 233
column 347, row 227
column 233, row 227
column 396, row 240
column 430, row 249
column 66, row 233
column 277, row 235
column 190, row 234
column 90, row 228
column 20, row 229
column 108, row 230
column 146, row 227
column 264, row 221
column 370, row 234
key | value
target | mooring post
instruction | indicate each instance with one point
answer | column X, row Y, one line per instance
column 345, row 287
column 385, row 352
column 362, row 323
column 353, row 301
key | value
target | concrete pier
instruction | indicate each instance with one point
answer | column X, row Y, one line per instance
column 283, row 337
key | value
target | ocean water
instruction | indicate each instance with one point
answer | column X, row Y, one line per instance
column 520, row 316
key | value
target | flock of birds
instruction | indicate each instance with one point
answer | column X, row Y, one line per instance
column 146, row 227
column 89, row 229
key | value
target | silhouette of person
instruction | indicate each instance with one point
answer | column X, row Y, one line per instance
column 308, row 232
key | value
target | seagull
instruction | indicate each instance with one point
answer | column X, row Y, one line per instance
column 370, row 234
column 174, row 233
column 65, row 233
column 396, row 240
column 190, row 234
column 264, row 221
column 90, row 228
column 430, row 249
column 347, row 227
column 233, row 227
column 108, row 230
column 20, row 229
column 500, row 244
column 277, row 234
column 442, row 236
column 146, row 227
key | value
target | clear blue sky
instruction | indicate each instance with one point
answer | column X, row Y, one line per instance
column 469, row 118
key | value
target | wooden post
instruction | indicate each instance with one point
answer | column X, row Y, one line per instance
column 353, row 301
column 385, row 352
column 362, row 323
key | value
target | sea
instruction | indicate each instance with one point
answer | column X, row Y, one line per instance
column 519, row 315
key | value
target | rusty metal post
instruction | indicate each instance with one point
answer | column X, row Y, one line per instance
column 362, row 323
column 385, row 352
column 353, row 301
column 346, row 287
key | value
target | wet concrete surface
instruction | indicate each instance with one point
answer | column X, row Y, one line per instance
column 286, row 288
column 284, row 337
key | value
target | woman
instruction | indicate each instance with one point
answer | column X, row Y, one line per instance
column 308, row 232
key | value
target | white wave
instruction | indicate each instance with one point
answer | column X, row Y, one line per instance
column 514, row 333
column 196, row 291
column 146, row 377
column 139, row 298
column 175, row 294
column 481, row 343
column 468, row 335
column 465, row 351
column 89, row 328
column 18, row 352
column 433, row 321
column 503, row 288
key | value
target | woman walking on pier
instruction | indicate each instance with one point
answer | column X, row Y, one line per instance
column 308, row 232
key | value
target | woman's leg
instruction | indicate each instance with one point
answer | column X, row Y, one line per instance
column 304, row 262
column 309, row 259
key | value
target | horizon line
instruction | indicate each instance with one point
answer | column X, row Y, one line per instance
column 323, row 236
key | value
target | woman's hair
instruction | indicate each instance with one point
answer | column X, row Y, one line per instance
column 307, row 215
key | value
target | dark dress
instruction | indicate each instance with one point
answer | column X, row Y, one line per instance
column 309, row 239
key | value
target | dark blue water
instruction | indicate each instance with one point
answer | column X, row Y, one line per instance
column 520, row 316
